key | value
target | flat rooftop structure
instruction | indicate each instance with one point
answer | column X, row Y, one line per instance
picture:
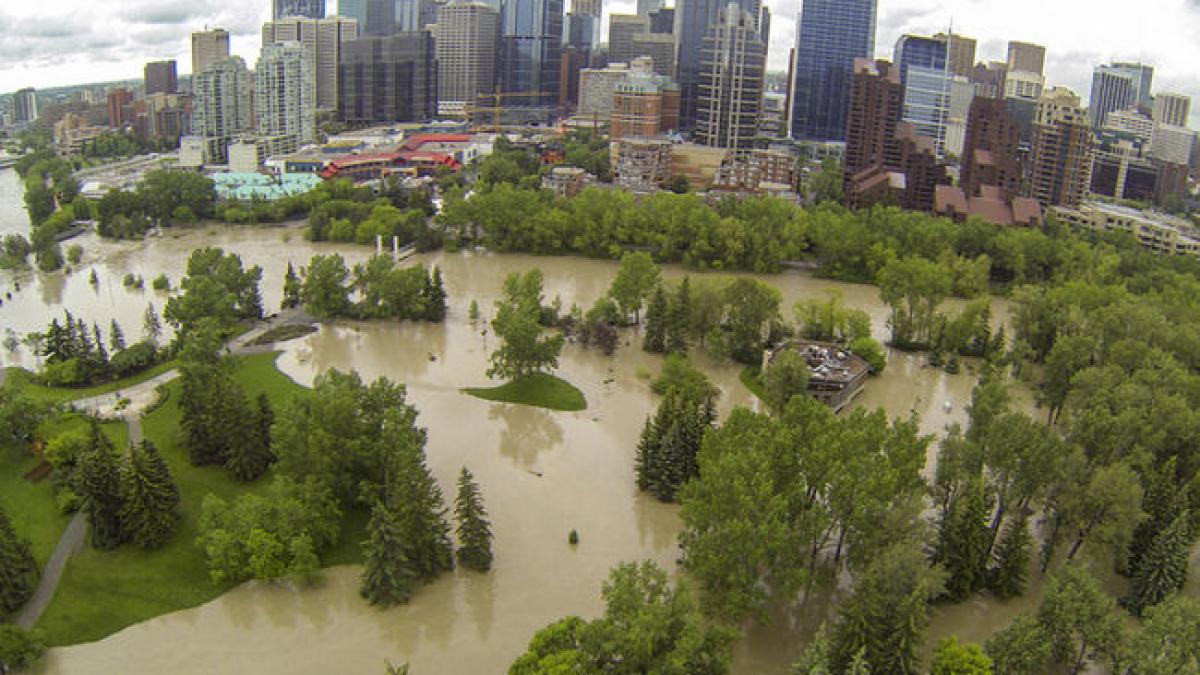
column 248, row 186
column 835, row 374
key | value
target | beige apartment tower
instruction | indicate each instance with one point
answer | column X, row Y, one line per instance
column 1172, row 109
column 1060, row 171
column 322, row 40
column 961, row 51
column 208, row 47
column 1026, row 58
column 467, row 34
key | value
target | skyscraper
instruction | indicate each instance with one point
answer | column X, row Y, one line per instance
column 285, row 92
column 530, row 49
column 1061, row 156
column 590, row 7
column 873, row 113
column 161, row 78
column 925, row 86
column 26, row 104
column 832, row 34
column 375, row 17
column 692, row 20
column 961, row 52
column 1026, row 57
column 1113, row 89
column 466, row 53
column 1143, row 79
column 732, row 66
column 646, row 7
column 621, row 30
column 208, row 47
column 120, row 107
column 990, row 152
column 323, row 40
column 312, row 9
column 1172, row 109
column 388, row 79
column 413, row 15
column 221, row 105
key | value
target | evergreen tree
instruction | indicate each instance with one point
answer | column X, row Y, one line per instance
column 422, row 515
column 435, row 297
column 18, row 569
column 474, row 532
column 291, row 288
column 98, row 482
column 656, row 323
column 1012, row 557
column 965, row 540
column 149, row 498
column 1163, row 502
column 666, row 453
column 389, row 577
column 116, row 337
column 151, row 324
column 678, row 318
column 1164, row 568
column 248, row 454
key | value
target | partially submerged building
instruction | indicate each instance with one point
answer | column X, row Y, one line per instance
column 835, row 374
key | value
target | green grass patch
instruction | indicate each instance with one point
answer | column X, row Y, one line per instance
column 284, row 333
column 752, row 378
column 19, row 377
column 103, row 592
column 540, row 389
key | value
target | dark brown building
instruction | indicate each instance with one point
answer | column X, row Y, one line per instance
column 990, row 151
column 873, row 114
column 120, row 107
column 161, row 78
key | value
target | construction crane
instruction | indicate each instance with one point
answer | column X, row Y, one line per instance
column 498, row 109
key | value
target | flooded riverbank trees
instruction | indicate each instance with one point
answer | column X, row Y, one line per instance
column 383, row 289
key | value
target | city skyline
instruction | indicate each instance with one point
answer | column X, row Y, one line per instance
column 80, row 42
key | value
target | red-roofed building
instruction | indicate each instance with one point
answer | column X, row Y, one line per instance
column 362, row 167
column 992, row 206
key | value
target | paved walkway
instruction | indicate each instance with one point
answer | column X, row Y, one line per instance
column 71, row 542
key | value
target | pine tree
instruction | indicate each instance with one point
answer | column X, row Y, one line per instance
column 474, row 531
column 965, row 540
column 422, row 515
column 116, row 337
column 98, row 480
column 389, row 577
column 149, row 498
column 1163, row 502
column 678, row 317
column 248, row 453
column 666, row 453
column 291, row 288
column 435, row 297
column 1164, row 568
column 646, row 460
column 151, row 324
column 1012, row 559
column 656, row 323
column 18, row 569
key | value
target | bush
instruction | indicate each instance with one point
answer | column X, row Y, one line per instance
column 871, row 352
column 133, row 281
column 74, row 253
column 18, row 647
column 62, row 374
column 161, row 282
column 133, row 359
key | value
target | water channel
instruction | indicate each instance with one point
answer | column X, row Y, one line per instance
column 542, row 473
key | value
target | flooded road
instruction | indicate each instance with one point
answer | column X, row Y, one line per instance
column 542, row 473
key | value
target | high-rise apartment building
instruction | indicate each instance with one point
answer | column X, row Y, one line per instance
column 221, row 106
column 375, row 17
column 621, row 30
column 161, row 78
column 466, row 53
column 990, row 151
column 311, row 9
column 589, row 7
column 1172, row 109
column 596, row 89
column 832, row 34
column 988, row 79
column 531, row 50
column 925, row 86
column 645, row 105
column 875, row 107
column 692, row 21
column 1026, row 57
column 388, row 79
column 732, row 69
column 322, row 40
column 26, row 104
column 960, row 51
column 285, row 92
column 120, row 107
column 208, row 47
column 1061, row 155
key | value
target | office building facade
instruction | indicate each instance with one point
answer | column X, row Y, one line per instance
column 1026, row 57
column 285, row 92
column 161, row 78
column 530, row 50
column 322, row 40
column 732, row 73
column 1172, row 109
column 1062, row 151
column 374, row 17
column 466, row 53
column 310, row 9
column 832, row 34
column 990, row 150
column 389, row 79
column 120, row 107
column 925, row 86
column 960, row 51
column 26, row 106
column 207, row 48
column 621, row 30
column 692, row 21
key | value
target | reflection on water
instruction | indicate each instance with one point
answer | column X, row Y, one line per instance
column 542, row 473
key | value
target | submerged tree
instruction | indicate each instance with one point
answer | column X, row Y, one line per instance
column 656, row 322
column 1012, row 556
column 388, row 577
column 474, row 531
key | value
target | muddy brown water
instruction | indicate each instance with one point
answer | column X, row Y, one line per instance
column 542, row 473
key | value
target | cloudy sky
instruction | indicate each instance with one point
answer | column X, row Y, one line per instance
column 61, row 42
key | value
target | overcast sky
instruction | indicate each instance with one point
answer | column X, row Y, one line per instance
column 62, row 42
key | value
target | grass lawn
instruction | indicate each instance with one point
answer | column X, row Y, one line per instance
column 540, row 389
column 31, row 506
column 284, row 333
column 103, row 592
column 750, row 376
column 38, row 392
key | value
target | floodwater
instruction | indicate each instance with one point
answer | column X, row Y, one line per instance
column 542, row 473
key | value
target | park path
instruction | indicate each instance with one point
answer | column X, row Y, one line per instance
column 140, row 396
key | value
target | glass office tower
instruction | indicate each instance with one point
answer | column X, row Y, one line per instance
column 832, row 34
column 925, row 86
column 531, row 48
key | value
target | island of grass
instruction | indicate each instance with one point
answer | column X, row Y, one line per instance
column 539, row 389
column 290, row 331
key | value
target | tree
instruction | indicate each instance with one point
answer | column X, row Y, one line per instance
column 965, row 540
column 116, row 337
column 666, row 453
column 636, row 279
column 18, row 569
column 656, row 320
column 871, row 352
column 1164, row 569
column 151, row 324
column 292, row 289
column 953, row 658
column 786, row 376
column 149, row 497
column 249, row 456
column 679, row 316
column 1105, row 509
column 1169, row 641
column 1020, row 648
column 435, row 297
column 474, row 531
column 422, row 513
column 1080, row 620
column 389, row 577
column 1012, row 556
column 215, row 288
column 913, row 288
column 18, row 648
column 649, row 626
column 99, row 487
column 518, row 323
column 324, row 291
column 752, row 305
